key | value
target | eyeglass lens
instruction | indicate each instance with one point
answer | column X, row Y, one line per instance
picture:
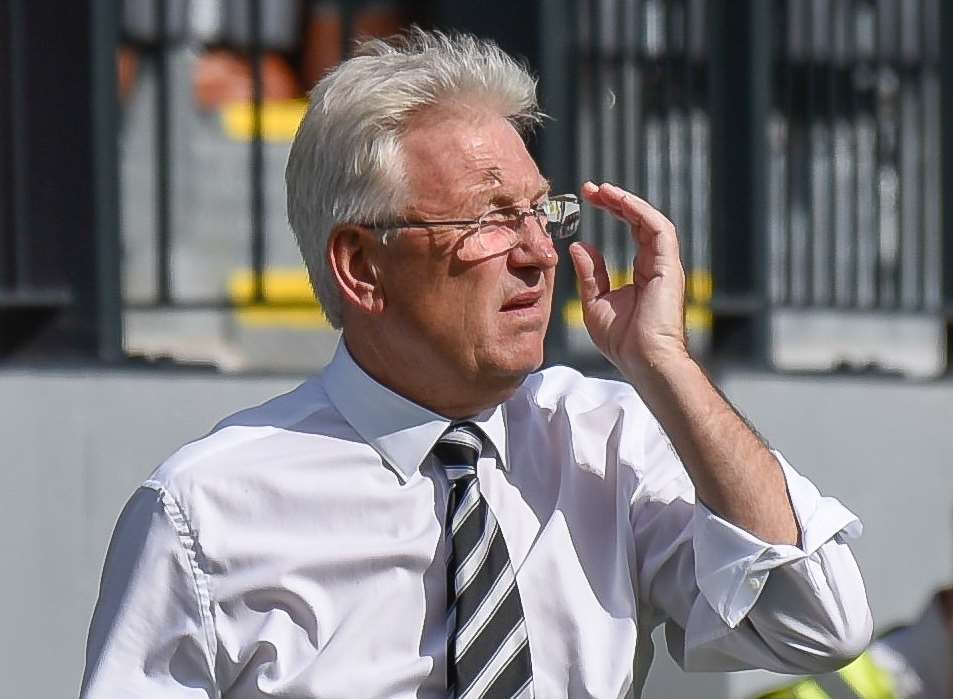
column 499, row 231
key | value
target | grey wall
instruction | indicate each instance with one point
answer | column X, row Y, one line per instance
column 75, row 445
column 885, row 448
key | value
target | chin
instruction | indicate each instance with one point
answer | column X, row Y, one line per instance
column 517, row 365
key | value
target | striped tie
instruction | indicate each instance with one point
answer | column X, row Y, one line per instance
column 487, row 648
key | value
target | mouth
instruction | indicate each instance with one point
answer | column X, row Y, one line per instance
column 523, row 302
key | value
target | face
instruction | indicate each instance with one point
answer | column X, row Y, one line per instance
column 473, row 322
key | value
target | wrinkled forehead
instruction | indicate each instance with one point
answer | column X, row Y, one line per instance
column 464, row 159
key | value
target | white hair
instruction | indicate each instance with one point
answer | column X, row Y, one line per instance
column 346, row 163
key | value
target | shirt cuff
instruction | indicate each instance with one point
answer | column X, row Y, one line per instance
column 732, row 565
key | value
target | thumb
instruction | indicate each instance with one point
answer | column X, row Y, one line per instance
column 591, row 272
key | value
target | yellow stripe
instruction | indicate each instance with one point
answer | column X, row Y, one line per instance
column 863, row 676
column 698, row 287
column 279, row 120
column 280, row 285
column 697, row 317
column 809, row 690
column 291, row 286
column 867, row 680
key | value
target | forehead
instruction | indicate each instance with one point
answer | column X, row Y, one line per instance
column 465, row 158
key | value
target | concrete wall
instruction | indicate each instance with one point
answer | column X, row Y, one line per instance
column 75, row 444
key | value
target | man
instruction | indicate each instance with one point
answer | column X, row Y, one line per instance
column 914, row 661
column 429, row 516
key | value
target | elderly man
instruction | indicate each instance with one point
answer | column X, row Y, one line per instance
column 430, row 517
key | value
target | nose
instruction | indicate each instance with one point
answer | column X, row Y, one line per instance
column 535, row 247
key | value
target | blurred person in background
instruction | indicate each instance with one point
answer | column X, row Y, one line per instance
column 913, row 661
column 430, row 515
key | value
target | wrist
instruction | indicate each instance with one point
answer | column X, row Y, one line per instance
column 659, row 366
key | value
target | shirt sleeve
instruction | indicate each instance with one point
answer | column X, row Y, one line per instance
column 731, row 601
column 151, row 632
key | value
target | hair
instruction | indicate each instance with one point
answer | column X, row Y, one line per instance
column 346, row 163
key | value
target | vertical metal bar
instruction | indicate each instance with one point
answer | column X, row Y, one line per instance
column 19, row 127
column 673, row 112
column 665, row 113
column 759, row 108
column 881, row 67
column 620, row 125
column 7, row 231
column 559, row 141
column 699, row 159
column 644, row 117
column 614, row 238
column 163, row 158
column 900, row 116
column 790, row 295
column 924, row 68
column 104, row 30
column 928, row 192
column 685, row 223
column 630, row 96
column 852, row 63
column 596, row 94
column 807, row 158
column 946, row 164
column 933, row 156
column 741, row 45
column 834, row 189
column 257, row 157
column 7, row 268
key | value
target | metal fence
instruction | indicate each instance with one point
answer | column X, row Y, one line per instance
column 817, row 125
column 855, row 155
column 643, row 122
column 798, row 145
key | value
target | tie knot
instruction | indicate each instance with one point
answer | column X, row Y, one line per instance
column 458, row 450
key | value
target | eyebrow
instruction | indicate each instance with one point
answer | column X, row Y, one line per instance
column 503, row 200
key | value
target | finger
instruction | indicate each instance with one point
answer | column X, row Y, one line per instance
column 650, row 225
column 597, row 196
column 634, row 206
column 591, row 272
column 610, row 198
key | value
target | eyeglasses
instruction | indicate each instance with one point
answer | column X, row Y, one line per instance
column 498, row 231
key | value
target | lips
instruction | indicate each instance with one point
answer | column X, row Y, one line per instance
column 527, row 300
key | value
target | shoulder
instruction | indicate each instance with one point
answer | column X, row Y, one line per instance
column 597, row 421
column 254, row 444
column 557, row 387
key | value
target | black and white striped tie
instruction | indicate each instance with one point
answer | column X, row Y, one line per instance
column 487, row 646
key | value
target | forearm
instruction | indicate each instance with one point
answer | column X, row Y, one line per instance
column 733, row 472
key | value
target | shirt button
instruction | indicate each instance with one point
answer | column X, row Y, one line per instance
column 755, row 583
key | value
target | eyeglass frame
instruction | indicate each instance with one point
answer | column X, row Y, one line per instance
column 523, row 212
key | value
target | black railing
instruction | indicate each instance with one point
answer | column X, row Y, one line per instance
column 59, row 287
column 855, row 156
column 796, row 144
column 800, row 147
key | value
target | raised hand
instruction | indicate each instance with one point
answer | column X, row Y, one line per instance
column 641, row 324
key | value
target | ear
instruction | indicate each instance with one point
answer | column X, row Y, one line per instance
column 353, row 252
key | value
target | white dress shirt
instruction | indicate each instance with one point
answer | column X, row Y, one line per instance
column 298, row 551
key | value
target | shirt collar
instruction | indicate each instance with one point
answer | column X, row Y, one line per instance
column 402, row 432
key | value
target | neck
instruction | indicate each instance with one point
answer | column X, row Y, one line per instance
column 451, row 397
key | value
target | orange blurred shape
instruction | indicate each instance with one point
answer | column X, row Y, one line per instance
column 127, row 67
column 324, row 36
column 222, row 76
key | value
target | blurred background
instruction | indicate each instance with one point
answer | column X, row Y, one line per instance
column 150, row 285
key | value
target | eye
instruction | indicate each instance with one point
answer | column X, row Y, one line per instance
column 508, row 217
